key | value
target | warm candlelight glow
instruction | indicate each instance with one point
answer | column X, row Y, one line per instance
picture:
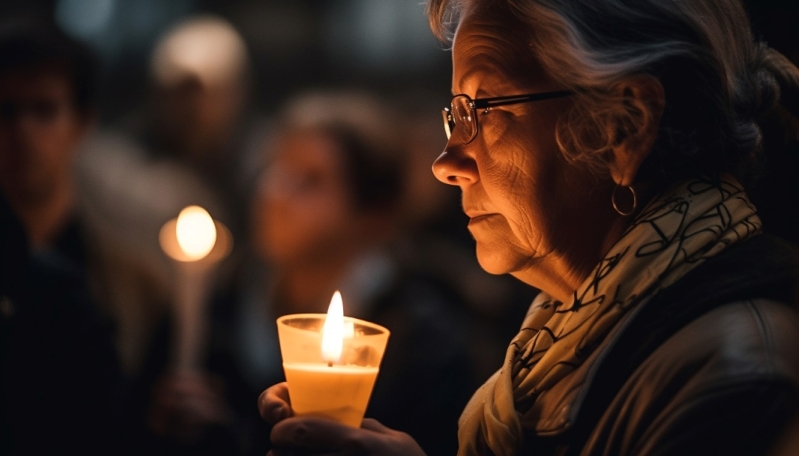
column 333, row 331
column 337, row 385
column 196, row 233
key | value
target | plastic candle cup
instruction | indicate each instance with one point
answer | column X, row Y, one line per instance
column 331, row 362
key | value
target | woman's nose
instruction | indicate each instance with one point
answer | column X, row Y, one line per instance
column 455, row 169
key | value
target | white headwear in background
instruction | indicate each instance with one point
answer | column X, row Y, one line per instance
column 207, row 48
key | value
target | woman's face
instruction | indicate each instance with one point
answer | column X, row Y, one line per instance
column 303, row 209
column 526, row 204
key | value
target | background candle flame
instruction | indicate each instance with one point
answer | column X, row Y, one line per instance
column 196, row 232
column 333, row 330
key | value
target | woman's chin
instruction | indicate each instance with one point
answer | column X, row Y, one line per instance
column 497, row 259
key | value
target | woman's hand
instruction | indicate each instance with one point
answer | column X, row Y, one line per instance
column 311, row 435
column 274, row 404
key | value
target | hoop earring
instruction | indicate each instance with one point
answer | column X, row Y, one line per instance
column 616, row 206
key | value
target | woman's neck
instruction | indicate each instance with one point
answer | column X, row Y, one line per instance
column 561, row 273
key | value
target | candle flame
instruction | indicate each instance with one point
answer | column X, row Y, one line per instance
column 196, row 232
column 333, row 330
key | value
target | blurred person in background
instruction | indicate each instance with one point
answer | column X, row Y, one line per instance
column 182, row 148
column 52, row 337
column 201, row 80
column 47, row 108
column 325, row 219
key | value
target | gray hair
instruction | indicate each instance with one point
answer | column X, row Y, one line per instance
column 718, row 80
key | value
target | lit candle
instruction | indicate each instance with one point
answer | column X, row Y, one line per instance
column 195, row 232
column 194, row 237
column 197, row 243
column 333, row 331
column 331, row 362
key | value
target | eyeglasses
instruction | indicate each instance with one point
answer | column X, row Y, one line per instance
column 460, row 119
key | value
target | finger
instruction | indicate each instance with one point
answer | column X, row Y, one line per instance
column 375, row 426
column 274, row 404
column 312, row 433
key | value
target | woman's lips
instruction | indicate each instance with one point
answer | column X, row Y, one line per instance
column 476, row 213
column 477, row 218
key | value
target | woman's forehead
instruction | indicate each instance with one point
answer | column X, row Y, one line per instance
column 493, row 48
column 496, row 31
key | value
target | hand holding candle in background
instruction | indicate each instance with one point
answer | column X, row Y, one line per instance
column 197, row 243
column 187, row 400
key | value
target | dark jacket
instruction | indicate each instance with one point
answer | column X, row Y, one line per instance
column 710, row 365
column 59, row 374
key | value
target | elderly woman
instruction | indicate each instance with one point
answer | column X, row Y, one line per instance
column 600, row 148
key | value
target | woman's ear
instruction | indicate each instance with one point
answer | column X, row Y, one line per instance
column 635, row 131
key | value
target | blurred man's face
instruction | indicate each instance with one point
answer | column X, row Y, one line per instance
column 197, row 119
column 40, row 129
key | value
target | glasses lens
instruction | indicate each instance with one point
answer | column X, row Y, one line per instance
column 463, row 118
column 449, row 125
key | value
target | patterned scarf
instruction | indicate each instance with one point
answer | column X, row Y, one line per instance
column 672, row 235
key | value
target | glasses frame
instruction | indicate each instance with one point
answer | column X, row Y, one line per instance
column 487, row 103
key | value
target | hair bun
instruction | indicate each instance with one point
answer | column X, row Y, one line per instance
column 786, row 75
column 767, row 92
column 758, row 91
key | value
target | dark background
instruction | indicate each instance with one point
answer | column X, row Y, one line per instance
column 294, row 44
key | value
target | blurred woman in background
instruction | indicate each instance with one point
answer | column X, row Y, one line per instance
column 325, row 218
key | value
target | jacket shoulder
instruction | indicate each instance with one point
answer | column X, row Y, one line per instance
column 743, row 340
column 725, row 383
